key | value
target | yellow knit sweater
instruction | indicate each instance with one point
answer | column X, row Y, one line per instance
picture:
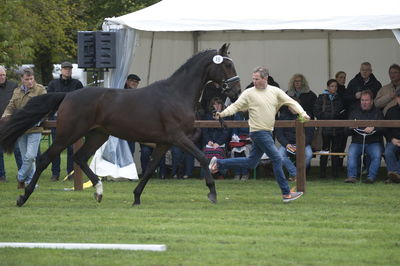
column 262, row 105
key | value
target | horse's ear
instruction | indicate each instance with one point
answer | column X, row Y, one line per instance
column 224, row 49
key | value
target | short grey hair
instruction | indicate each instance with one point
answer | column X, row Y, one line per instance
column 3, row 68
column 27, row 71
column 263, row 71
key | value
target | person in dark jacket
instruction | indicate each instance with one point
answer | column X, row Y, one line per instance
column 299, row 90
column 6, row 91
column 371, row 145
column 286, row 136
column 392, row 149
column 329, row 106
column 364, row 80
column 63, row 84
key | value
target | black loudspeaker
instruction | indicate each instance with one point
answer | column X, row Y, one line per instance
column 96, row 49
column 86, row 49
column 105, row 49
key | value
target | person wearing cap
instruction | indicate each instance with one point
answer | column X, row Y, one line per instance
column 6, row 91
column 63, row 84
column 132, row 81
column 29, row 142
column 392, row 148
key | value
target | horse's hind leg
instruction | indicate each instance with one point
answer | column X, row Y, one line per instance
column 157, row 154
column 41, row 164
column 93, row 140
column 186, row 144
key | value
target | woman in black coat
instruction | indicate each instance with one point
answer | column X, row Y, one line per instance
column 329, row 106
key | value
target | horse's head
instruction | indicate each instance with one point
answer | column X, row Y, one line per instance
column 223, row 72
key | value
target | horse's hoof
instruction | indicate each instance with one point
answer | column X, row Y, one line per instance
column 212, row 197
column 136, row 203
column 98, row 197
column 20, row 201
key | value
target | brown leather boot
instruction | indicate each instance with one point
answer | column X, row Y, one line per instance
column 21, row 185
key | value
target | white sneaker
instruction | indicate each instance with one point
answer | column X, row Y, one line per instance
column 212, row 162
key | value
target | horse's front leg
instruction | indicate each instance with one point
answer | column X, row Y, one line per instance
column 186, row 144
column 156, row 156
column 41, row 164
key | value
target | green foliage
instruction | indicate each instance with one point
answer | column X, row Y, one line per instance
column 332, row 224
column 44, row 32
column 15, row 40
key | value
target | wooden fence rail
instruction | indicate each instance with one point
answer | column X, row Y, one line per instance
column 300, row 139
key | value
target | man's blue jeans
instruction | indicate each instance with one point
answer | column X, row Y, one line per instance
column 262, row 142
column 374, row 152
column 17, row 156
column 289, row 165
column 28, row 145
column 392, row 157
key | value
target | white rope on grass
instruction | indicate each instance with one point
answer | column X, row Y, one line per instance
column 149, row 247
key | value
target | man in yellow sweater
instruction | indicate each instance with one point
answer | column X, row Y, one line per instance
column 262, row 102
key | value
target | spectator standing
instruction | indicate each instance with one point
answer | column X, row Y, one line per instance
column 392, row 149
column 364, row 80
column 299, row 90
column 6, row 91
column 372, row 144
column 29, row 142
column 183, row 162
column 262, row 102
column 329, row 106
column 385, row 99
column 341, row 83
column 286, row 136
column 132, row 82
column 65, row 83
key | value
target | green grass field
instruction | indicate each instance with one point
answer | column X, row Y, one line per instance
column 332, row 224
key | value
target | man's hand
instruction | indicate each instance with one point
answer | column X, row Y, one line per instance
column 369, row 129
column 396, row 142
column 306, row 117
column 216, row 115
column 4, row 120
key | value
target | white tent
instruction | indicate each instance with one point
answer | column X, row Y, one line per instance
column 216, row 15
column 313, row 37
column 316, row 38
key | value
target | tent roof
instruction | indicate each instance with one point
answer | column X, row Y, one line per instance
column 213, row 15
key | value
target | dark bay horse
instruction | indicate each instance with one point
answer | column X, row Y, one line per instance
column 161, row 113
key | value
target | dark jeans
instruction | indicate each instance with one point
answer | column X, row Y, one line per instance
column 182, row 160
column 332, row 144
column 145, row 154
column 262, row 142
column 17, row 156
column 55, row 165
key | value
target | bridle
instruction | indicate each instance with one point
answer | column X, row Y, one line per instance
column 218, row 59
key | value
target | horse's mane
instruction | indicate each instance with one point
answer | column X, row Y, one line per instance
column 187, row 64
column 195, row 57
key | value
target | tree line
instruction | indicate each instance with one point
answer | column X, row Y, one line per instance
column 44, row 32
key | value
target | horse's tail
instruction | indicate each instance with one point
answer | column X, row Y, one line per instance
column 27, row 117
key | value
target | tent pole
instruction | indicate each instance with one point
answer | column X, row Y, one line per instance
column 329, row 55
column 195, row 42
column 150, row 57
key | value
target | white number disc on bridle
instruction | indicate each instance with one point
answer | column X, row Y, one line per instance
column 218, row 59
